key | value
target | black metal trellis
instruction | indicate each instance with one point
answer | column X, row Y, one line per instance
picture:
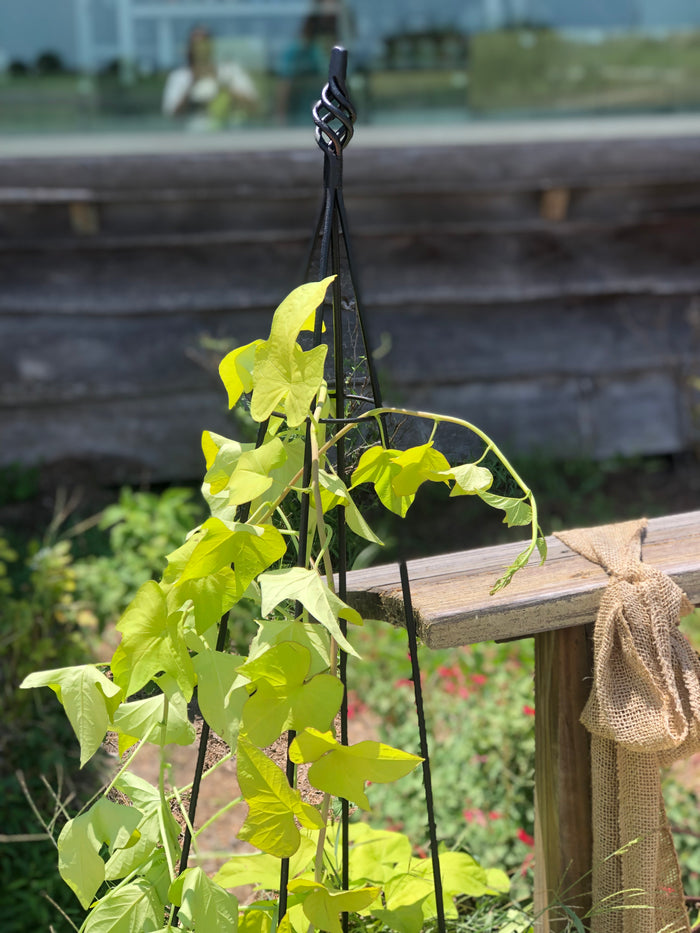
column 334, row 117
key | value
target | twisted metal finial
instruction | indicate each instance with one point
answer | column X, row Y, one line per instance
column 334, row 114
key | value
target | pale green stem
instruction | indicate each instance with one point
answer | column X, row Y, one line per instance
column 183, row 811
column 213, row 768
column 161, row 791
column 218, row 814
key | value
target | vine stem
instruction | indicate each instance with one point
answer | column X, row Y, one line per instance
column 161, row 791
column 377, row 413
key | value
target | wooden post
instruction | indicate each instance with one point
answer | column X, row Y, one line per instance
column 556, row 603
column 563, row 838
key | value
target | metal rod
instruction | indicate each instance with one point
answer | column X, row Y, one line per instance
column 423, row 733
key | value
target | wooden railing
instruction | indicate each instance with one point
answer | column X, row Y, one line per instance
column 557, row 604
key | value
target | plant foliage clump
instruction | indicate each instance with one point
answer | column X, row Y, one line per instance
column 123, row 860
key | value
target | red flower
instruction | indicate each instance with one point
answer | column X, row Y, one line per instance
column 495, row 815
column 475, row 816
column 479, row 679
column 403, row 682
column 526, row 838
column 529, row 710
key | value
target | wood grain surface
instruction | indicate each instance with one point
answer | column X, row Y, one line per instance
column 453, row 605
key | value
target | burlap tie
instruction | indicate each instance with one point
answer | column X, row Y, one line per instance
column 643, row 712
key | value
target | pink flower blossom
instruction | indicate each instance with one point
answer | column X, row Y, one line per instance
column 529, row 710
column 526, row 838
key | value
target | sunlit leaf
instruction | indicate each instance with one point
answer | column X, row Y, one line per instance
column 470, row 479
column 236, row 371
column 418, row 465
column 204, row 906
column 211, row 444
column 343, row 770
column 378, row 466
column 334, row 492
column 273, row 804
column 251, row 476
column 152, row 641
column 520, row 561
column 249, row 548
column 404, row 896
column 147, row 841
column 211, row 596
column 308, row 588
column 323, row 907
column 259, row 917
column 133, row 908
column 82, row 838
column 285, row 377
column 144, row 717
column 518, row 511
column 88, row 697
column 262, row 870
column 282, row 700
column 313, row 637
column 287, row 380
column 377, row 854
column 221, row 693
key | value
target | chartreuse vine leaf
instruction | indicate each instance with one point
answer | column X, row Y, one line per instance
column 343, row 770
column 520, row 561
column 377, row 854
column 398, row 474
column 334, row 492
column 251, row 475
column 377, row 465
column 259, row 917
column 323, row 907
column 273, row 805
column 470, row 479
column 518, row 511
column 81, row 839
column 211, row 597
column 236, row 371
column 250, row 548
column 211, row 443
column 285, row 376
column 313, row 637
column 417, row 466
column 134, row 908
column 221, row 693
column 460, row 874
column 308, row 588
column 262, row 870
column 144, row 718
column 282, row 700
column 287, row 380
column 152, row 641
column 404, row 896
column 88, row 697
column 149, row 839
column 204, row 906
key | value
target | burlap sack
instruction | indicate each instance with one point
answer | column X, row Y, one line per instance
column 643, row 712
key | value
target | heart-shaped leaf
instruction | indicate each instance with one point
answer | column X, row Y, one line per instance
column 273, row 804
column 342, row 770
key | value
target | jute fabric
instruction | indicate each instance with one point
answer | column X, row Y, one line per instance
column 643, row 713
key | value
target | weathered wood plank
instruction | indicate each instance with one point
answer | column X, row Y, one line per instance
column 563, row 830
column 143, row 439
column 451, row 597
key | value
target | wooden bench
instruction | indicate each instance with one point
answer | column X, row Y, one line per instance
column 557, row 604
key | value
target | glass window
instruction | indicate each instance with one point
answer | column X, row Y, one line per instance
column 212, row 65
